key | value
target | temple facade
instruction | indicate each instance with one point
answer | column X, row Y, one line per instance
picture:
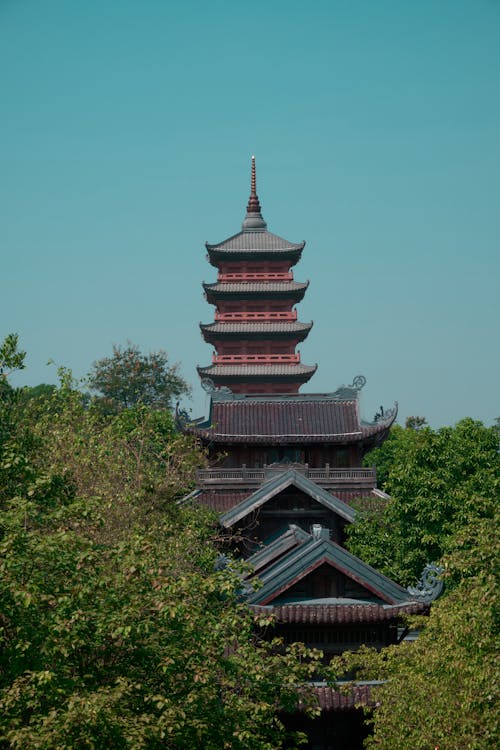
column 286, row 471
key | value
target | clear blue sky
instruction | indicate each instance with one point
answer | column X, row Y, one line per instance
column 126, row 130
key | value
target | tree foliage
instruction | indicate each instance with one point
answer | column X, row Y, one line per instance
column 11, row 357
column 434, row 478
column 116, row 630
column 129, row 378
column 442, row 690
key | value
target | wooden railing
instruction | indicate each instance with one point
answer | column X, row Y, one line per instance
column 260, row 316
column 247, row 359
column 332, row 477
column 260, row 276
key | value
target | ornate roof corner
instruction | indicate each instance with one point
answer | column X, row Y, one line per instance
column 185, row 423
column 385, row 417
column 430, row 585
column 181, row 418
column 208, row 385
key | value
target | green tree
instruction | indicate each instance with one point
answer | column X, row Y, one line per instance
column 443, row 690
column 435, row 479
column 11, row 358
column 415, row 423
column 116, row 629
column 129, row 377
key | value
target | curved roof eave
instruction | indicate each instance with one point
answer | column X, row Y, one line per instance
column 259, row 240
column 371, row 429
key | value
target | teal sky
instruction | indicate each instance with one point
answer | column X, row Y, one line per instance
column 126, row 130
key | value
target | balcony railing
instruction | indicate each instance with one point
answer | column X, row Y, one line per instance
column 261, row 359
column 257, row 276
column 327, row 476
column 253, row 316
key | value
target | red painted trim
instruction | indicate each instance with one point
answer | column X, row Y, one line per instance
column 256, row 276
column 260, row 316
column 244, row 359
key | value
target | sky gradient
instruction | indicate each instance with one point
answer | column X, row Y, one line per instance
column 126, row 130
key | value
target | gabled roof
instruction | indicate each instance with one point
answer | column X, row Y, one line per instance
column 289, row 539
column 276, row 485
column 302, row 561
column 295, row 418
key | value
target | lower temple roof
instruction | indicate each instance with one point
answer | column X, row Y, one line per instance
column 341, row 613
column 296, row 418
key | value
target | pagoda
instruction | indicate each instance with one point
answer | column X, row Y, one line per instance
column 286, row 472
column 256, row 331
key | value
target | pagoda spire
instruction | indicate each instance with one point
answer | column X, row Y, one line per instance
column 253, row 219
column 253, row 202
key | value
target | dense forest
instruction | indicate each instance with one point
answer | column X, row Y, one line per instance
column 119, row 630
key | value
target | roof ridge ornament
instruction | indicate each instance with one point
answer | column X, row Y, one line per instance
column 351, row 392
column 253, row 220
column 430, row 584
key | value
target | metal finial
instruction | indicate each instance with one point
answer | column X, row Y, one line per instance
column 253, row 181
column 253, row 202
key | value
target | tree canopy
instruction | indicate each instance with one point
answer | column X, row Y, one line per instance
column 128, row 377
column 116, row 628
column 443, row 690
column 11, row 357
column 434, row 478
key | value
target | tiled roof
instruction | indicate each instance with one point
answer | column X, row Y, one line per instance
column 341, row 614
column 222, row 502
column 319, row 418
column 291, row 538
column 257, row 420
column 256, row 287
column 347, row 495
column 256, row 329
column 255, row 240
column 292, row 371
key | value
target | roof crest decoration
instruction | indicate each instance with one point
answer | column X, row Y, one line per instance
column 430, row 585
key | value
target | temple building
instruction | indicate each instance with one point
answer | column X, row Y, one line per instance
column 286, row 470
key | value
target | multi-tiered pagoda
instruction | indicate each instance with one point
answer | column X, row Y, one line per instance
column 285, row 468
column 256, row 331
